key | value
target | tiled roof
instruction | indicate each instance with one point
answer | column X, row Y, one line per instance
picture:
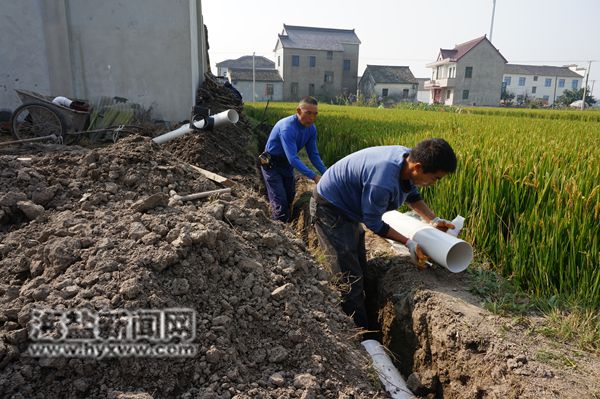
column 261, row 75
column 460, row 50
column 541, row 70
column 303, row 37
column 246, row 62
column 390, row 74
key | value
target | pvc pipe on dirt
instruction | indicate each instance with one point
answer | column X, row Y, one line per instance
column 222, row 118
column 451, row 252
column 388, row 374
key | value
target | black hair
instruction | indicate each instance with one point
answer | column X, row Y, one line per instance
column 435, row 155
column 308, row 100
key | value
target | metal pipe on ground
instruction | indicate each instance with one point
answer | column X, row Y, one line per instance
column 222, row 118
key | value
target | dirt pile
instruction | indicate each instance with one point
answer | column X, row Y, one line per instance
column 102, row 235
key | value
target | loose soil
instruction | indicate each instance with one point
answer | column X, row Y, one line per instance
column 99, row 228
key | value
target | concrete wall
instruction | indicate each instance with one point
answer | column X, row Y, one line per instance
column 245, row 88
column 149, row 51
column 552, row 92
column 486, row 82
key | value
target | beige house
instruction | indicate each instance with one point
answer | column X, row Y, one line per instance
column 469, row 74
column 388, row 83
column 320, row 62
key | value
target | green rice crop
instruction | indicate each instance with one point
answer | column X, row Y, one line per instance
column 528, row 183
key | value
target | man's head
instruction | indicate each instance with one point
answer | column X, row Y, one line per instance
column 429, row 161
column 307, row 111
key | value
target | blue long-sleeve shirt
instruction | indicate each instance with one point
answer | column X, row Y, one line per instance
column 288, row 137
column 366, row 184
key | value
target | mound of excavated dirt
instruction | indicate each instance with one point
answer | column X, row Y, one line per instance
column 97, row 229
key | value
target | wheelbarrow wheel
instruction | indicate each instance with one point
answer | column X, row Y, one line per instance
column 36, row 120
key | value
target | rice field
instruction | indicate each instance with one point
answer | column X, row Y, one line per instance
column 528, row 183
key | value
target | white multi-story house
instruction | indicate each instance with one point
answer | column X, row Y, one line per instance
column 541, row 82
column 245, row 62
column 392, row 83
column 266, row 84
column 468, row 74
column 319, row 62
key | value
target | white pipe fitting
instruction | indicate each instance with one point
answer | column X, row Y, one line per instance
column 451, row 252
column 222, row 118
column 388, row 374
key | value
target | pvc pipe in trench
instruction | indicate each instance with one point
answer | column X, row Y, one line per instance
column 388, row 374
column 222, row 118
column 445, row 249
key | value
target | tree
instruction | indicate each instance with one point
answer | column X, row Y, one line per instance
column 570, row 96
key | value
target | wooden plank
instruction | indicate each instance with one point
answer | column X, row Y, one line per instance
column 213, row 176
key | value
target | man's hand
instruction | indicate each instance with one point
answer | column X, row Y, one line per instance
column 441, row 224
column 316, row 178
column 417, row 255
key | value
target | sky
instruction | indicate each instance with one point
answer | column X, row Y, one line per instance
column 411, row 32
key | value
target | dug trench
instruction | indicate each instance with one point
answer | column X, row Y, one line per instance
column 99, row 228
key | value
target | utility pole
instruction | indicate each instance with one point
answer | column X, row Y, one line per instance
column 493, row 13
column 253, row 79
column 587, row 76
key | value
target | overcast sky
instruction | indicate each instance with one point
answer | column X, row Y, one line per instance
column 411, row 32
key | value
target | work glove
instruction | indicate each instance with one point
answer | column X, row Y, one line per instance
column 441, row 224
column 416, row 254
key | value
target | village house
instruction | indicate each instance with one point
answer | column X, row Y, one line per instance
column 388, row 83
column 469, row 74
column 320, row 62
column 539, row 82
column 267, row 84
column 244, row 62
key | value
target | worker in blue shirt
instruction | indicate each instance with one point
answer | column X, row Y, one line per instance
column 280, row 157
column 360, row 188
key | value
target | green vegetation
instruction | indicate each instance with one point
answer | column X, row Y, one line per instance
column 528, row 183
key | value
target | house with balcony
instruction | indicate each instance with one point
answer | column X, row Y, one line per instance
column 320, row 62
column 244, row 62
column 540, row 82
column 266, row 84
column 469, row 74
column 390, row 83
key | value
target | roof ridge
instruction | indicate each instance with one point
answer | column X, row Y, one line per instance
column 317, row 28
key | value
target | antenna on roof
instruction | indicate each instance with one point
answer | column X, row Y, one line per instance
column 492, row 25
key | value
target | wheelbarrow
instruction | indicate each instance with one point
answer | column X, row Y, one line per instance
column 39, row 118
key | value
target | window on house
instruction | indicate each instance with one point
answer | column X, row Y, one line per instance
column 468, row 72
column 507, row 80
column 312, row 61
column 521, row 81
column 384, row 92
column 546, row 98
column 405, row 93
column 535, row 78
column 574, row 84
column 452, row 72
column 294, row 88
column 561, row 83
column 547, row 82
column 269, row 89
column 448, row 94
column 533, row 90
column 330, row 55
column 328, row 77
column 278, row 60
column 311, row 89
column 465, row 95
column 295, row 60
column 346, row 65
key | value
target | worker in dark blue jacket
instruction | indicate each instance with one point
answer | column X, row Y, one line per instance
column 360, row 188
column 280, row 157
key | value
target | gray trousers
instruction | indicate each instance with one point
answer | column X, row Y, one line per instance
column 343, row 243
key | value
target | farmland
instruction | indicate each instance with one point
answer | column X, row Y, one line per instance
column 528, row 183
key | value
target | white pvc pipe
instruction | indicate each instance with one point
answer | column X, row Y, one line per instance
column 446, row 250
column 388, row 374
column 60, row 100
column 229, row 116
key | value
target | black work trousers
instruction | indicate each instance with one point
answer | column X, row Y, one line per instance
column 343, row 243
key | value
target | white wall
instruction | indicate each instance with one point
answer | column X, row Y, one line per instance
column 541, row 90
column 148, row 51
column 245, row 88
